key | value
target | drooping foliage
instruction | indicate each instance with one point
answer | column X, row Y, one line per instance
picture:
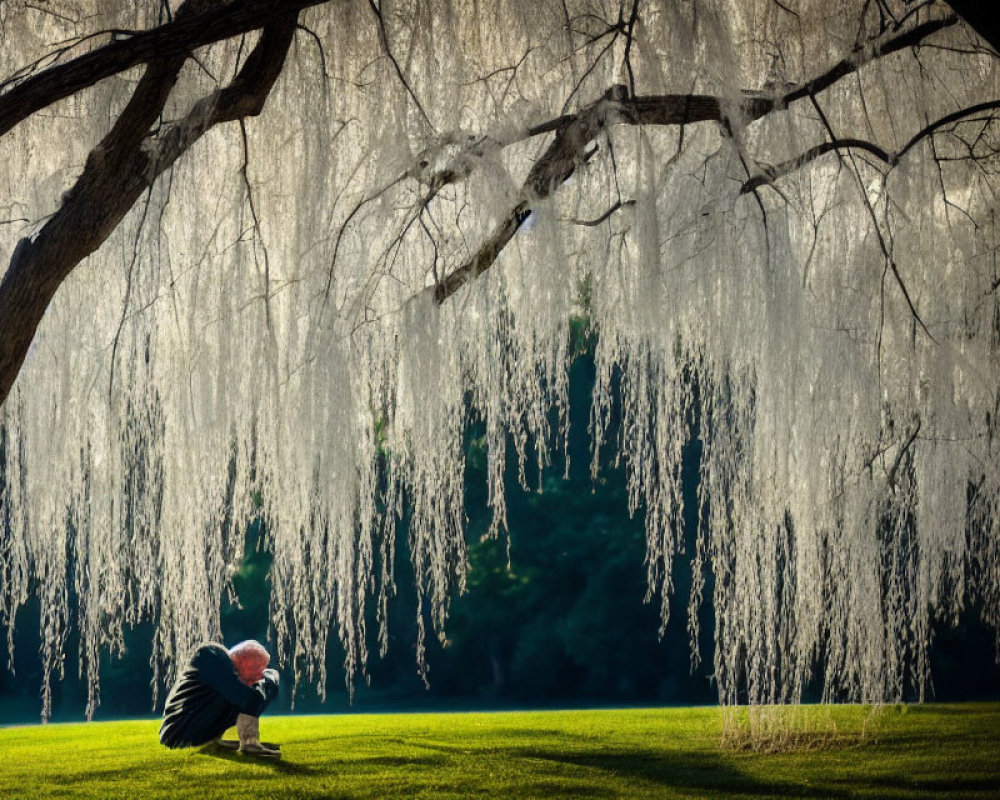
column 779, row 219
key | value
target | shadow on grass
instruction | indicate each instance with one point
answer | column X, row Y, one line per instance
column 398, row 761
column 70, row 778
column 948, row 710
column 333, row 765
column 681, row 770
column 277, row 764
column 908, row 787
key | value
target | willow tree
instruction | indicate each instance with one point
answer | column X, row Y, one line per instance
column 268, row 257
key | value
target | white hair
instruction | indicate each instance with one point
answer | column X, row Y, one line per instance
column 245, row 651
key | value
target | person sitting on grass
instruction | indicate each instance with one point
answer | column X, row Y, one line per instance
column 217, row 689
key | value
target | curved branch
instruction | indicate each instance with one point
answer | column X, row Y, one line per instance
column 593, row 223
column 185, row 33
column 575, row 131
column 955, row 116
column 116, row 173
column 771, row 174
column 618, row 105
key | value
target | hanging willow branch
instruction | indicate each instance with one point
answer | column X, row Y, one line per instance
column 118, row 170
column 575, row 131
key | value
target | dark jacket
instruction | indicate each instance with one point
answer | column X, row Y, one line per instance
column 208, row 696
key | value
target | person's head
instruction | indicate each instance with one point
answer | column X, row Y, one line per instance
column 250, row 659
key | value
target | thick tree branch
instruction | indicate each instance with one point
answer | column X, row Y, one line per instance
column 116, row 173
column 862, row 55
column 575, row 131
column 179, row 37
column 619, row 105
column 560, row 160
column 569, row 149
column 484, row 257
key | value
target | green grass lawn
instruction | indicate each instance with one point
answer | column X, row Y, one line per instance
column 941, row 751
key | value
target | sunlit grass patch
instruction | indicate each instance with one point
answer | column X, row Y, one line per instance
column 948, row 751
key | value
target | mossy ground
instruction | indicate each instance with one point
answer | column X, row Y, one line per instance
column 941, row 751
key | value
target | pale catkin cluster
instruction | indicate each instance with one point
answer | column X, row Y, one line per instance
column 260, row 335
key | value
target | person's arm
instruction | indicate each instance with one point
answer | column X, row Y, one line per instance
column 216, row 669
column 268, row 684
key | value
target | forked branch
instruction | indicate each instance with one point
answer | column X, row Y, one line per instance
column 771, row 174
column 184, row 34
column 575, row 131
column 117, row 171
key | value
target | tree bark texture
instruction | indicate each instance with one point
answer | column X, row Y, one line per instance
column 129, row 159
column 117, row 172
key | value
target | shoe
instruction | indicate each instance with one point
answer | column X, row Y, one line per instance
column 255, row 748
column 232, row 744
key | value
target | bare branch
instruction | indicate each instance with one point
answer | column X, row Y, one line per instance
column 955, row 116
column 383, row 39
column 593, row 223
column 176, row 38
column 771, row 174
column 866, row 53
column 629, row 36
column 258, row 237
column 619, row 106
column 484, row 257
column 575, row 131
column 117, row 171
